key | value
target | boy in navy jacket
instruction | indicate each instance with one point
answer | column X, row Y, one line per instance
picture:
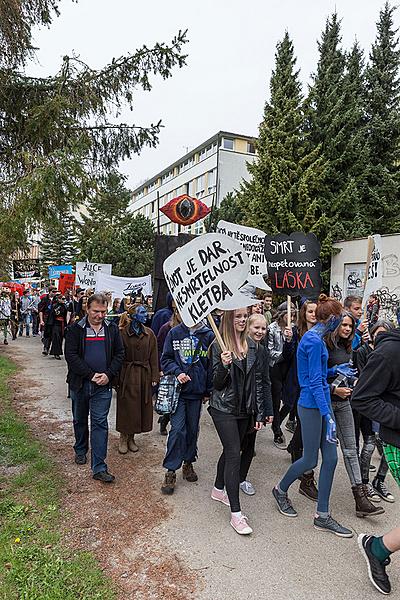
column 185, row 355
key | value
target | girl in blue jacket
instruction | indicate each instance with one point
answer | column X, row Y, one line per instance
column 316, row 416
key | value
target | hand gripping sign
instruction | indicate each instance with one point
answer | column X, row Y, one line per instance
column 206, row 274
column 252, row 241
column 293, row 264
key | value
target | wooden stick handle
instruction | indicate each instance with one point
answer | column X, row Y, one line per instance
column 217, row 334
column 371, row 245
column 289, row 310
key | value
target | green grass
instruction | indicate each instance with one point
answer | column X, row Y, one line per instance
column 34, row 564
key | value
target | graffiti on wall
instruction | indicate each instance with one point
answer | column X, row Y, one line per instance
column 354, row 275
column 337, row 292
column 391, row 267
column 390, row 303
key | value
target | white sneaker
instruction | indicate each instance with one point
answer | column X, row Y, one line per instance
column 247, row 488
column 372, row 494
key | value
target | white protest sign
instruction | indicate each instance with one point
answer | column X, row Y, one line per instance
column 252, row 241
column 123, row 286
column 373, row 277
column 86, row 273
column 206, row 274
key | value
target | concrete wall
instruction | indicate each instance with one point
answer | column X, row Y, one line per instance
column 232, row 169
column 348, row 270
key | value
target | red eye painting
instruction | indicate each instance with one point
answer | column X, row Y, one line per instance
column 185, row 210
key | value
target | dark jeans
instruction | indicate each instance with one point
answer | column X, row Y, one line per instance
column 182, row 438
column 35, row 323
column 96, row 400
column 276, row 392
column 231, row 431
column 248, row 447
column 314, row 439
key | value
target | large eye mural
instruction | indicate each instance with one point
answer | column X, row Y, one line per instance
column 185, row 210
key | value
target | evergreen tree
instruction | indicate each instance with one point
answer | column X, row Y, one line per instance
column 229, row 210
column 383, row 127
column 59, row 132
column 287, row 177
column 58, row 245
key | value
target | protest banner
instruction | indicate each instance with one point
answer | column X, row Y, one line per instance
column 374, row 267
column 66, row 282
column 56, row 270
column 253, row 241
column 293, row 264
column 87, row 272
column 206, row 274
column 123, row 286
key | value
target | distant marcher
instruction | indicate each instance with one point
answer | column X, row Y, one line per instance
column 5, row 314
column 94, row 353
column 44, row 308
column 162, row 316
column 35, row 312
column 57, row 321
column 26, row 313
column 15, row 314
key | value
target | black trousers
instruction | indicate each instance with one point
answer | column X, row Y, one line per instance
column 231, row 431
column 275, row 374
column 248, row 447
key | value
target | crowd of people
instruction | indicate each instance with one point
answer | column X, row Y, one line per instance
column 326, row 373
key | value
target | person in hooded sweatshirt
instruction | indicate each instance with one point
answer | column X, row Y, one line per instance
column 185, row 355
column 162, row 315
column 377, row 396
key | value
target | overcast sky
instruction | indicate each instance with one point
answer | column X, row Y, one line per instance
column 230, row 58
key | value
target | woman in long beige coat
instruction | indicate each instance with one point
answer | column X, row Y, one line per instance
column 138, row 374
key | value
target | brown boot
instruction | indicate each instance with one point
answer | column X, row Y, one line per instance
column 364, row 508
column 188, row 472
column 131, row 443
column 307, row 486
column 169, row 482
column 123, row 443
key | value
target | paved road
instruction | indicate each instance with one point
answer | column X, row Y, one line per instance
column 285, row 559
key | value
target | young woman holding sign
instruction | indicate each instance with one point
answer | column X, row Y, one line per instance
column 316, row 416
column 237, row 402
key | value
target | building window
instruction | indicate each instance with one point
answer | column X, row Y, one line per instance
column 211, row 176
column 201, row 184
column 198, row 228
column 153, row 207
column 191, row 187
column 228, row 143
column 251, row 149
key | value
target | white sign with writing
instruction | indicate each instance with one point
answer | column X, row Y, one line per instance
column 124, row 286
column 86, row 273
column 375, row 269
column 253, row 242
column 206, row 274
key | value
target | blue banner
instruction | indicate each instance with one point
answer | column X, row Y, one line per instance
column 55, row 271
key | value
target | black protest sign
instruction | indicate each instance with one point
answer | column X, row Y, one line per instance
column 293, row 264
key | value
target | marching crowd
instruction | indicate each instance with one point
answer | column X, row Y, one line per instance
column 326, row 373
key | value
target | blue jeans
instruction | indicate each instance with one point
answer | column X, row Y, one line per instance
column 182, row 438
column 313, row 430
column 25, row 320
column 95, row 399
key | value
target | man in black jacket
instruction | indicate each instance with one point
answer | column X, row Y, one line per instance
column 94, row 352
column 377, row 396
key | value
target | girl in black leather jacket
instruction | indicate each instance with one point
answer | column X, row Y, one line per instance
column 237, row 401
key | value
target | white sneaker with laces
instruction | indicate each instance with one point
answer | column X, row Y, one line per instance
column 247, row 488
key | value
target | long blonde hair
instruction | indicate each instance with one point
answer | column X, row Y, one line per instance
column 227, row 330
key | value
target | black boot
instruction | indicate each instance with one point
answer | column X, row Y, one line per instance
column 307, row 486
column 163, row 421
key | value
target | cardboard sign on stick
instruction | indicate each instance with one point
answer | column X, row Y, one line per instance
column 293, row 264
column 373, row 272
column 206, row 274
column 87, row 273
column 253, row 241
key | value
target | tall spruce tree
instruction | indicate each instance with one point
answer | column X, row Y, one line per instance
column 59, row 132
column 383, row 127
column 287, row 177
column 58, row 245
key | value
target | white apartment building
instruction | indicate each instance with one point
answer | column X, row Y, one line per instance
column 208, row 172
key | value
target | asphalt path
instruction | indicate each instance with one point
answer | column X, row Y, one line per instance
column 284, row 558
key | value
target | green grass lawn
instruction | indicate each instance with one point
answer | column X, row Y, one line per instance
column 33, row 562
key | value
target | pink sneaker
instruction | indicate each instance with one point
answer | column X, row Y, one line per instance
column 220, row 496
column 241, row 525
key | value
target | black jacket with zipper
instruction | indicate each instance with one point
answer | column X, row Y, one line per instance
column 377, row 393
column 231, row 385
column 78, row 370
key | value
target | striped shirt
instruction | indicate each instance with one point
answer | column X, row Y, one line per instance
column 95, row 349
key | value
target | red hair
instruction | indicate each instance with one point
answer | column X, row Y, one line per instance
column 326, row 307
